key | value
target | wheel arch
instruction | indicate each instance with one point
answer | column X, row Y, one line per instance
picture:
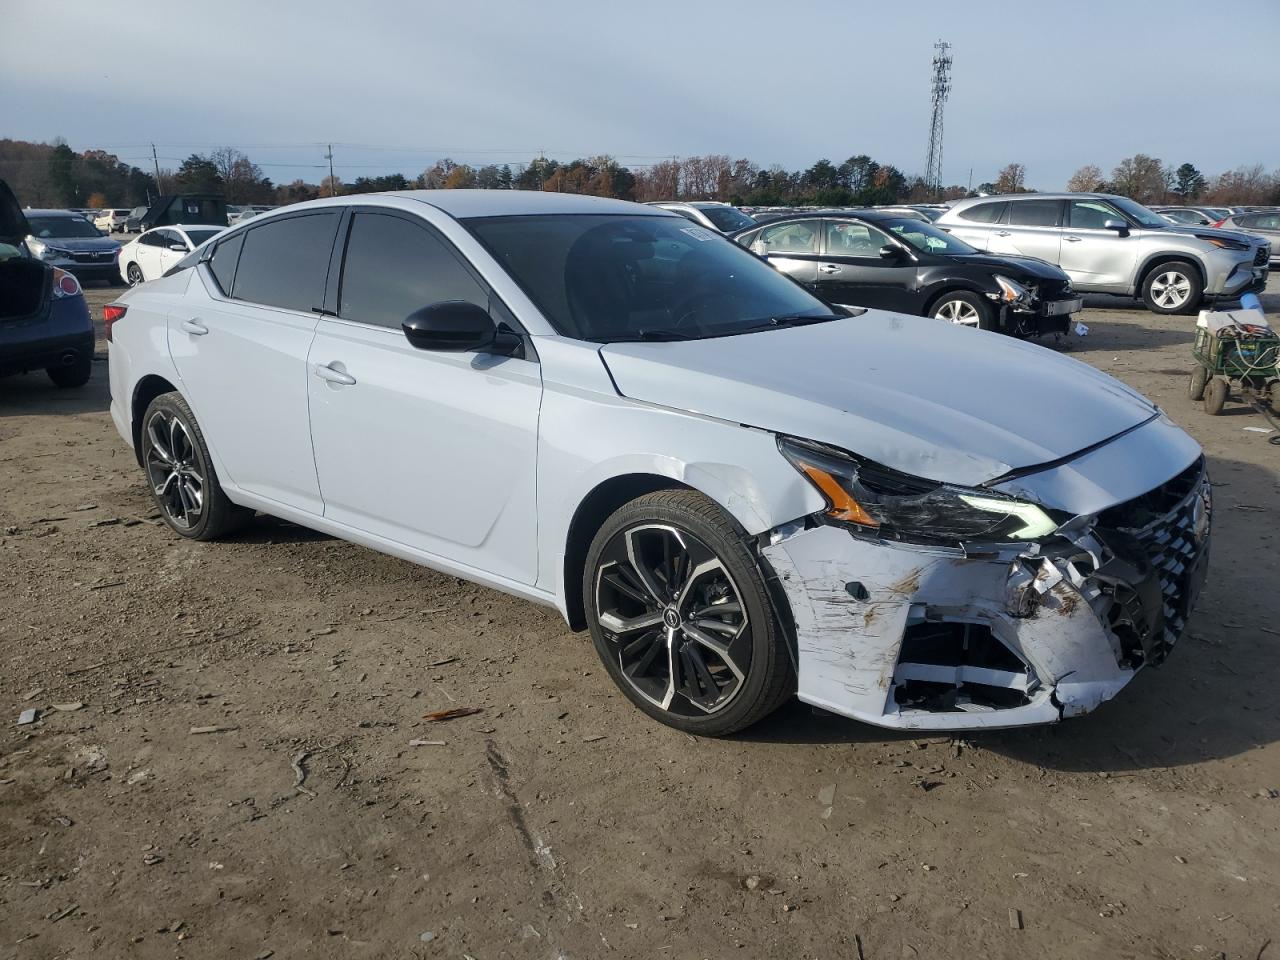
column 951, row 285
column 1156, row 260
column 144, row 391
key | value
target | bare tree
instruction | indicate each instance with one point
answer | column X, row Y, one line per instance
column 1141, row 178
column 1012, row 179
column 1088, row 179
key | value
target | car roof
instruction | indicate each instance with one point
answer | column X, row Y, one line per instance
column 187, row 226
column 53, row 213
column 1000, row 197
column 503, row 203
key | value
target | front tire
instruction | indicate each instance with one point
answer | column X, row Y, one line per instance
column 964, row 309
column 1173, row 288
column 681, row 618
column 133, row 274
column 1199, row 377
column 180, row 473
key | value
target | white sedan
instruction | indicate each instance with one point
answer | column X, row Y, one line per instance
column 148, row 256
column 744, row 493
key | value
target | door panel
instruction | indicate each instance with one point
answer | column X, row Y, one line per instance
column 791, row 247
column 437, row 451
column 1095, row 258
column 246, row 380
column 852, row 272
column 1031, row 228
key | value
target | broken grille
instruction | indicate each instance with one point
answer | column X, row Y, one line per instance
column 1173, row 543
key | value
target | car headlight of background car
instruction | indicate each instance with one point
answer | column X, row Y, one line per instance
column 876, row 501
column 46, row 252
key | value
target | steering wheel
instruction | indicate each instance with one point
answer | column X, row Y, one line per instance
column 691, row 304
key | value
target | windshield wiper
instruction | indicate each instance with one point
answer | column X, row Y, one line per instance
column 798, row 320
column 651, row 336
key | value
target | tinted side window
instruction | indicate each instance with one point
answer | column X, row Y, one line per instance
column 984, row 212
column 223, row 262
column 854, row 240
column 1091, row 214
column 152, row 239
column 1035, row 213
column 284, row 263
column 394, row 267
column 799, row 237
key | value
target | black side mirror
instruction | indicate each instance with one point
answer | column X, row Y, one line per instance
column 1119, row 226
column 890, row 251
column 454, row 325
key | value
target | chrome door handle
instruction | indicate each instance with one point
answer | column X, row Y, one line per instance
column 194, row 327
column 828, row 268
column 1073, row 239
column 326, row 372
column 1002, row 233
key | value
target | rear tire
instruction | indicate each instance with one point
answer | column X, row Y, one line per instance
column 681, row 618
column 1215, row 396
column 1199, row 377
column 180, row 474
column 73, row 375
column 133, row 274
column 1173, row 288
column 964, row 309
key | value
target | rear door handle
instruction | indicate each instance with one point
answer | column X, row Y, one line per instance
column 194, row 327
column 1073, row 239
column 327, row 372
column 828, row 268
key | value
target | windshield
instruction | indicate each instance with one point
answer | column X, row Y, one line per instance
column 928, row 238
column 45, row 227
column 198, row 237
column 1137, row 212
column 606, row 278
column 727, row 219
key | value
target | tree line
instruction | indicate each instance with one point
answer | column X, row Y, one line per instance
column 54, row 175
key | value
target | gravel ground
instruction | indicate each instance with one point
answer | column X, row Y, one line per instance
column 559, row 822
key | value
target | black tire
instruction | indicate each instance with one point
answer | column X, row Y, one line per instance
column 73, row 374
column 1173, row 287
column 1215, row 396
column 956, row 303
column 133, row 274
column 183, row 465
column 1199, row 377
column 115, row 280
column 683, row 532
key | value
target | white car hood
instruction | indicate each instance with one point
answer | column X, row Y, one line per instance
column 928, row 398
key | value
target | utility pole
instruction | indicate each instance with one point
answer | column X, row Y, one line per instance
column 333, row 186
column 941, row 89
column 156, row 161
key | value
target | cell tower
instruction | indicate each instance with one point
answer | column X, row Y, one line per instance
column 941, row 88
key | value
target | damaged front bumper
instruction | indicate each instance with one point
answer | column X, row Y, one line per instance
column 993, row 636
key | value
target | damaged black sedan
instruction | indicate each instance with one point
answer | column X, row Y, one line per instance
column 881, row 260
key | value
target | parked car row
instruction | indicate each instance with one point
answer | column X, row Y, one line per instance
column 741, row 491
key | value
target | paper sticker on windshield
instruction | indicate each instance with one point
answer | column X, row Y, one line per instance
column 698, row 233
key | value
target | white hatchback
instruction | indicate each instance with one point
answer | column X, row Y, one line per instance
column 743, row 493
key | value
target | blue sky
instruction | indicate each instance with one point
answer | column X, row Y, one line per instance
column 397, row 85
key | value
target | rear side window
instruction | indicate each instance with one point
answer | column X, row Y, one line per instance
column 984, row 212
column 1035, row 213
column 395, row 267
column 284, row 263
column 223, row 262
column 798, row 237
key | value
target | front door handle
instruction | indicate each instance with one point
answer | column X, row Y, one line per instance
column 194, row 327
column 326, row 371
column 828, row 268
column 1002, row 233
column 1073, row 239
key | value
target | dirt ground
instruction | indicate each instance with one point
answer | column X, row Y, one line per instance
column 560, row 822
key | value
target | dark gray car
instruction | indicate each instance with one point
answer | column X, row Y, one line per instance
column 1265, row 225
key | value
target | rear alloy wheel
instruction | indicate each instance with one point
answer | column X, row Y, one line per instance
column 180, row 473
column 680, row 616
column 133, row 274
column 1173, row 288
column 963, row 309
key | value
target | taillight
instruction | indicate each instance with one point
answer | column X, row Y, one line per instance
column 110, row 314
column 64, row 284
column 1220, row 222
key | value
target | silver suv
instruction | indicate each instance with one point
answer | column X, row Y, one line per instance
column 1109, row 244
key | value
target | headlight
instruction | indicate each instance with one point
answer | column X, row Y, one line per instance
column 1011, row 291
column 46, row 252
column 890, row 505
column 1222, row 243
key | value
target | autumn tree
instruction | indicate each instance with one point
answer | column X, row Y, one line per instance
column 1140, row 178
column 1012, row 179
column 1243, row 185
column 461, row 177
column 1088, row 179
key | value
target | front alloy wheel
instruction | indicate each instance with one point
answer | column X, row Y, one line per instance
column 133, row 274
column 678, row 610
column 1172, row 287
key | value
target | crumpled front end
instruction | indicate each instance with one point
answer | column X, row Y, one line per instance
column 993, row 636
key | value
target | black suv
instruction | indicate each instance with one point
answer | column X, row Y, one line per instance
column 867, row 258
